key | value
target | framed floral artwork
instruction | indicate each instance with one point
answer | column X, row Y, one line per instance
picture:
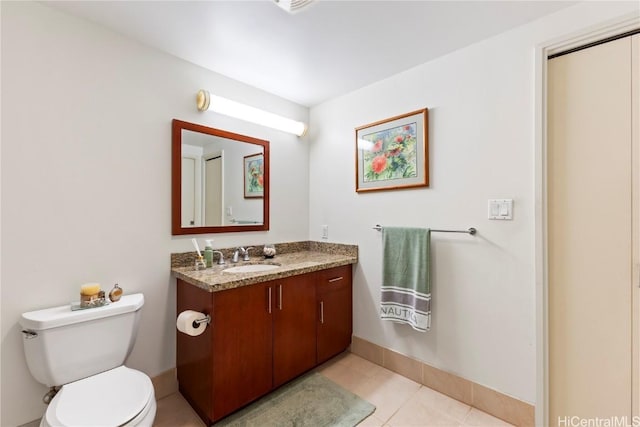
column 254, row 176
column 393, row 154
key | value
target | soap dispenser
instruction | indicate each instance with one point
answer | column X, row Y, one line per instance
column 208, row 253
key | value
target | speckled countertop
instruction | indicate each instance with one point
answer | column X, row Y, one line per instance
column 293, row 259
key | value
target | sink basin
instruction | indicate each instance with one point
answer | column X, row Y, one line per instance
column 251, row 268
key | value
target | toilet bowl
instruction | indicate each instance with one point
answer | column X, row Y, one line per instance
column 119, row 397
column 82, row 353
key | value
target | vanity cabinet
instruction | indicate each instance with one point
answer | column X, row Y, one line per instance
column 294, row 327
column 260, row 337
column 241, row 365
column 335, row 320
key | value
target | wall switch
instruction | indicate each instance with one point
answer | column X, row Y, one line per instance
column 500, row 209
column 325, row 232
column 229, row 210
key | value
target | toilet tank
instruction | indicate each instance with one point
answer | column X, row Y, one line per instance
column 62, row 346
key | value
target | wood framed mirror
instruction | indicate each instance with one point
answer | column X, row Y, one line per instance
column 219, row 181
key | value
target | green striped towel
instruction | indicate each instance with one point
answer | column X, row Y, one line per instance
column 406, row 289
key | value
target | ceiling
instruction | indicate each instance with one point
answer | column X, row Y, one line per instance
column 328, row 49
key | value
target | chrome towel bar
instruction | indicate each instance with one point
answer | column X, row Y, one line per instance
column 470, row 230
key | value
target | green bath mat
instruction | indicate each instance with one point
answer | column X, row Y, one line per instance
column 310, row 401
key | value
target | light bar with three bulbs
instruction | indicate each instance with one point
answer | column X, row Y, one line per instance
column 207, row 101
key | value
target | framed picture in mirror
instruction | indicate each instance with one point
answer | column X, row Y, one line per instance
column 254, row 176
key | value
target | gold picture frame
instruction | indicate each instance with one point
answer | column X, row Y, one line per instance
column 393, row 154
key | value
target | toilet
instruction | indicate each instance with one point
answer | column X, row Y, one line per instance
column 83, row 352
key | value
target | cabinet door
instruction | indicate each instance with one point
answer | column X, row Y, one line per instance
column 193, row 354
column 242, row 347
column 294, row 327
column 334, row 311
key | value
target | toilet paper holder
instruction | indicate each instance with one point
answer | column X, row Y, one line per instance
column 206, row 320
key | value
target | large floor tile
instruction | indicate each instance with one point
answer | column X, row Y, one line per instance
column 478, row 418
column 388, row 391
column 361, row 365
column 174, row 411
column 415, row 414
column 343, row 375
column 436, row 401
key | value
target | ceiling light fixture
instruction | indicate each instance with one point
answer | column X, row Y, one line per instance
column 292, row 6
column 207, row 101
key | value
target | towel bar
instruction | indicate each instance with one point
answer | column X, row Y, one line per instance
column 471, row 230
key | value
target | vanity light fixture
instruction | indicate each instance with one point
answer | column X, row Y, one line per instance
column 207, row 101
column 292, row 6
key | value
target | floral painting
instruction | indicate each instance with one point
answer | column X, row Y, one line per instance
column 254, row 176
column 392, row 153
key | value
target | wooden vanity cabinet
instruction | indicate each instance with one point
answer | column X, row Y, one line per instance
column 294, row 327
column 335, row 319
column 242, row 347
column 194, row 355
column 260, row 337
column 231, row 363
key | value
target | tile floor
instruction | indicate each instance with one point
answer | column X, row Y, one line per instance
column 399, row 401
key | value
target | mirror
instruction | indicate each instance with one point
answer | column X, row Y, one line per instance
column 219, row 181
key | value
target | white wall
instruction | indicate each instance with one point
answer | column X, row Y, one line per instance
column 481, row 117
column 86, row 180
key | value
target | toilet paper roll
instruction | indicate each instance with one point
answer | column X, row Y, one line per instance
column 186, row 323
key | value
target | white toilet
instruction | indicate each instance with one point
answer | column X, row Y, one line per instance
column 83, row 351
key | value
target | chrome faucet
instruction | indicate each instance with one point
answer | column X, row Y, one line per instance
column 241, row 251
column 221, row 258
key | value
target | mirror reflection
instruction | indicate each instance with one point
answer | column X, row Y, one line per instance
column 223, row 180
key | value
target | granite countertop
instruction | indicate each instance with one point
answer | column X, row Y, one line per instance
column 301, row 258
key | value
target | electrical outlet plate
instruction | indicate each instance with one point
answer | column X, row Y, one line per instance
column 325, row 232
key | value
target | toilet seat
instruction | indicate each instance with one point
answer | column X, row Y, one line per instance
column 118, row 397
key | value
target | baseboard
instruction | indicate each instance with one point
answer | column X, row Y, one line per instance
column 493, row 402
column 165, row 383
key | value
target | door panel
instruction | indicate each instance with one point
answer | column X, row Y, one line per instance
column 335, row 319
column 188, row 191
column 242, row 347
column 213, row 191
column 590, row 232
column 294, row 336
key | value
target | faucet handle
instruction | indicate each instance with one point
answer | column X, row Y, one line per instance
column 246, row 254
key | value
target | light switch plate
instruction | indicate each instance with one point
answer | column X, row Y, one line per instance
column 500, row 209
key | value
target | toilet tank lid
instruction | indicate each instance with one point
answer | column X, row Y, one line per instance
column 60, row 316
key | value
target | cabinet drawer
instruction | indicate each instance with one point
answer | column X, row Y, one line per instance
column 337, row 277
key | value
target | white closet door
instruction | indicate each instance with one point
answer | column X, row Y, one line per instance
column 213, row 191
column 590, row 233
column 188, row 192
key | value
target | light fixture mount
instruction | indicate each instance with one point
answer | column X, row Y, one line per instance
column 203, row 100
column 293, row 6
